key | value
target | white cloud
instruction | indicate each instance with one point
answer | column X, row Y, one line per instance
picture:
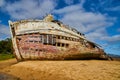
column 29, row 8
column 2, row 2
column 101, row 34
column 76, row 16
column 4, row 31
column 68, row 9
column 115, row 38
column 97, row 34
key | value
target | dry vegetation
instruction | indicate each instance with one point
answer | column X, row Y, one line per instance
column 60, row 70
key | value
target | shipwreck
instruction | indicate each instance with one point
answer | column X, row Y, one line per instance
column 52, row 40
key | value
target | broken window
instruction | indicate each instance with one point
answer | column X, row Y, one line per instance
column 54, row 44
column 54, row 40
column 58, row 44
column 35, row 41
column 70, row 39
column 45, row 39
column 35, row 36
column 65, row 38
column 18, row 38
column 63, row 44
column 67, row 45
column 30, row 41
column 58, row 37
column 36, row 49
column 62, row 37
column 42, row 38
column 48, row 39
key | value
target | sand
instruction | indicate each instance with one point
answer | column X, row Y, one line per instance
column 60, row 70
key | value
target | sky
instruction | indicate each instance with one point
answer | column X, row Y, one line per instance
column 99, row 20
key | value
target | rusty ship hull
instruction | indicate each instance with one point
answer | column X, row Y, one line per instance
column 52, row 40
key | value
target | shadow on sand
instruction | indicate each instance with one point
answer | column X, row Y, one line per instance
column 4, row 76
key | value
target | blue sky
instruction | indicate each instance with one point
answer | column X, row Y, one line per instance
column 99, row 20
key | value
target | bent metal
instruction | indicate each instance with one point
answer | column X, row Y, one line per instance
column 52, row 40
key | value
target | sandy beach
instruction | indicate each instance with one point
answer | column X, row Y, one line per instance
column 60, row 70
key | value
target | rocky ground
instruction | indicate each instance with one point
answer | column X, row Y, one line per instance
column 60, row 70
